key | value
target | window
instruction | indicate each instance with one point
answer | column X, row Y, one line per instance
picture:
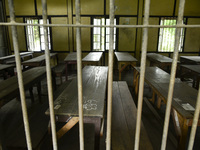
column 167, row 36
column 101, row 35
column 35, row 35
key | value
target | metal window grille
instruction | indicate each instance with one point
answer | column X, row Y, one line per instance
column 35, row 35
column 167, row 36
column 78, row 26
column 101, row 35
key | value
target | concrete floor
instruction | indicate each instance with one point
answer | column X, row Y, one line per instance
column 11, row 118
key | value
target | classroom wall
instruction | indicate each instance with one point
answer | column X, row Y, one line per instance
column 128, row 12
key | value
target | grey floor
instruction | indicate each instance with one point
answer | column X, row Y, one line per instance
column 11, row 122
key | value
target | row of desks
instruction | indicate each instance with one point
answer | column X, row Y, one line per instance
column 188, row 66
column 94, row 58
column 183, row 103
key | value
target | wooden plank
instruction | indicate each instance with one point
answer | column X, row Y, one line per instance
column 190, row 59
column 130, row 112
column 9, row 88
column 4, row 67
column 120, row 132
column 94, row 88
column 73, row 121
column 71, row 57
column 193, row 68
column 2, row 59
column 125, row 57
column 159, row 58
column 38, row 61
column 93, row 57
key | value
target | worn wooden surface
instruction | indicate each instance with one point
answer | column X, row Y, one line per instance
column 124, row 120
column 183, row 101
column 93, row 58
column 4, row 67
column 193, row 72
column 94, row 90
column 38, row 61
column 158, row 58
column 71, row 57
column 9, row 88
column 193, row 68
column 190, row 60
column 123, row 56
column 124, row 60
column 12, row 57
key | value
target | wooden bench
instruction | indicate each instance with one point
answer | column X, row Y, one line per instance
column 38, row 122
column 58, row 71
column 124, row 120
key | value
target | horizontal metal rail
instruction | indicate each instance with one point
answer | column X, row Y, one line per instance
column 91, row 26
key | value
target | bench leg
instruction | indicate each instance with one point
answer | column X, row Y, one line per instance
column 31, row 93
column 66, row 72
column 39, row 90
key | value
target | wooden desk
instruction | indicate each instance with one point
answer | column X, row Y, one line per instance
column 70, row 59
column 4, row 59
column 124, row 59
column 184, row 97
column 190, row 60
column 93, row 58
column 160, row 61
column 5, row 68
column 94, row 92
column 39, row 61
column 9, row 88
column 192, row 71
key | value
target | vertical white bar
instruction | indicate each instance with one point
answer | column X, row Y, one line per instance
column 79, row 72
column 110, row 77
column 142, row 74
column 173, row 74
column 19, row 75
column 49, row 77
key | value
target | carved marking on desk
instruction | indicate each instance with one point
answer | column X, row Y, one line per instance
column 90, row 105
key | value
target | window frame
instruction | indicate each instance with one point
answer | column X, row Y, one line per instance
column 182, row 36
column 105, row 41
column 40, row 35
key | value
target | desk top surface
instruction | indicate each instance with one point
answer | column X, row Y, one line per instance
column 155, row 74
column 38, row 59
column 11, row 84
column 93, row 56
column 159, row 58
column 191, row 58
column 94, row 92
column 71, row 57
column 2, row 66
column 124, row 56
column 194, row 68
column 184, row 97
column 13, row 56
